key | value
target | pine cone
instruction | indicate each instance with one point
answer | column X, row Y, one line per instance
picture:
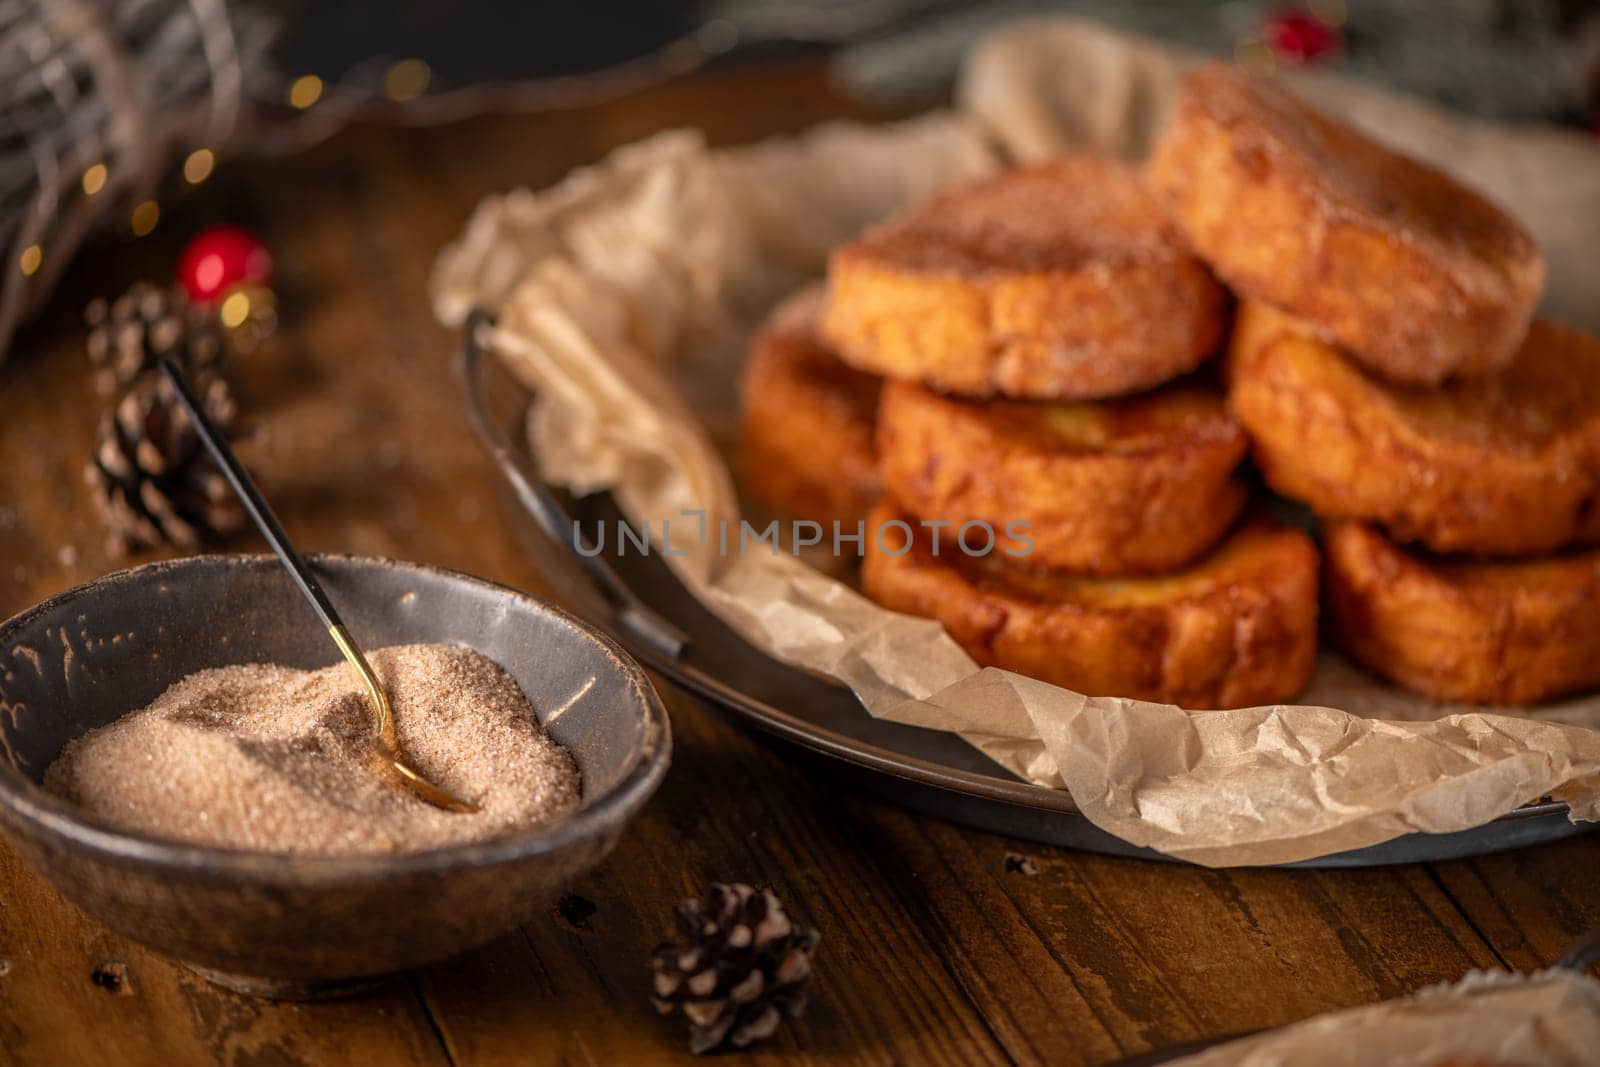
column 128, row 335
column 740, row 967
column 152, row 479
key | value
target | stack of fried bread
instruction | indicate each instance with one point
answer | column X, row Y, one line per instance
column 806, row 421
column 1054, row 473
column 1384, row 366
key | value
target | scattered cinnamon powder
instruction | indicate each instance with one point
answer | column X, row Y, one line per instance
column 281, row 760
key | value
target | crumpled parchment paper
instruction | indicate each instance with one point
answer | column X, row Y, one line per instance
column 627, row 292
column 1550, row 1019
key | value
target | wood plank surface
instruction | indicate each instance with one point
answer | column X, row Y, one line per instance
column 940, row 944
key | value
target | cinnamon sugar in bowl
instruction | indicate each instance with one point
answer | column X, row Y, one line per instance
column 290, row 923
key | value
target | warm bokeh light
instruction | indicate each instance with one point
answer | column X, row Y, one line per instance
column 305, row 91
column 197, row 168
column 235, row 309
column 31, row 258
column 94, row 179
column 407, row 79
column 145, row 217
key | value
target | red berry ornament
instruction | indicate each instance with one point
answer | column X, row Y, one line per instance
column 1298, row 37
column 220, row 259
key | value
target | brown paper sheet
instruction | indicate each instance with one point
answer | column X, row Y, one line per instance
column 626, row 295
column 1550, row 1019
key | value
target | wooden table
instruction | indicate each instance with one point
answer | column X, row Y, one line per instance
column 936, row 947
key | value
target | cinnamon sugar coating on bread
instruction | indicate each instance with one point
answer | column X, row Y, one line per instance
column 1137, row 485
column 1499, row 466
column 1057, row 281
column 806, row 421
column 1236, row 629
column 1502, row 632
column 1418, row 277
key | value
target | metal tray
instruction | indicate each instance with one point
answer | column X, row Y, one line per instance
column 637, row 600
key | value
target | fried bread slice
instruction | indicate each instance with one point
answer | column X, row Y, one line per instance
column 1420, row 278
column 1508, row 465
column 1503, row 632
column 1063, row 280
column 806, row 421
column 1237, row 629
column 1137, row 485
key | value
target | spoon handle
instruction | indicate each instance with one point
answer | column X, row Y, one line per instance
column 260, row 513
column 255, row 504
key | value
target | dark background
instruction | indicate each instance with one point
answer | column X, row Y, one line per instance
column 469, row 40
column 1499, row 58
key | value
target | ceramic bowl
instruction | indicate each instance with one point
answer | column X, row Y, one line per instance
column 307, row 926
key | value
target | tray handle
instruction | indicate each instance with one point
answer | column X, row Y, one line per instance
column 534, row 495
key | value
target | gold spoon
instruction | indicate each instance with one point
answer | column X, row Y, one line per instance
column 255, row 505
